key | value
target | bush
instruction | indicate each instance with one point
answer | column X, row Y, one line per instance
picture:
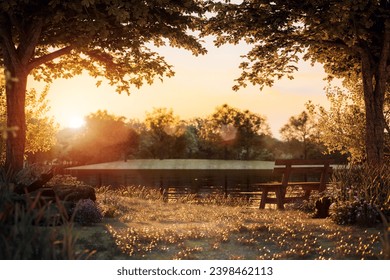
column 360, row 193
column 87, row 212
column 26, row 233
column 358, row 212
column 32, row 228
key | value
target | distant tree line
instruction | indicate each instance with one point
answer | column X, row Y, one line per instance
column 228, row 133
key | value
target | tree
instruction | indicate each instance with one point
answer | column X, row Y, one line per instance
column 104, row 138
column 303, row 129
column 342, row 126
column 164, row 128
column 203, row 140
column 237, row 131
column 347, row 37
column 51, row 39
column 40, row 128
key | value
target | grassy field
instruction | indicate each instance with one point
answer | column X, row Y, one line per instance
column 140, row 225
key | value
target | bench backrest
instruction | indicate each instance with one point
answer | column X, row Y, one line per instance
column 288, row 167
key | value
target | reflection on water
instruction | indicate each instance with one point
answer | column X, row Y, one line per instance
column 188, row 181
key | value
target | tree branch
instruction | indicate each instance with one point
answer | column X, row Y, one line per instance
column 48, row 57
column 6, row 42
column 337, row 44
column 106, row 58
column 29, row 41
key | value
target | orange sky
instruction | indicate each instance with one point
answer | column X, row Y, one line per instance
column 200, row 84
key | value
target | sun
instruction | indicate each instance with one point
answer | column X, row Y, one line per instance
column 76, row 122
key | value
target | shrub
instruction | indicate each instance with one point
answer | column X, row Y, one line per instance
column 32, row 228
column 87, row 212
column 26, row 233
column 359, row 194
column 358, row 212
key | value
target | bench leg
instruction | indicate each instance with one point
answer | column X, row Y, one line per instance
column 279, row 198
column 264, row 195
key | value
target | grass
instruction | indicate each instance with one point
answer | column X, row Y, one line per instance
column 139, row 224
column 30, row 229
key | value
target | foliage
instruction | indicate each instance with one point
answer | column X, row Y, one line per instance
column 303, row 129
column 29, row 229
column 238, row 132
column 360, row 193
column 107, row 39
column 343, row 124
column 57, row 25
column 104, row 137
column 87, row 213
column 348, row 37
column 350, row 213
column 280, row 31
column 164, row 135
column 164, row 129
column 41, row 129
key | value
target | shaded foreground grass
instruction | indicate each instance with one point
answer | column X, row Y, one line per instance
column 148, row 228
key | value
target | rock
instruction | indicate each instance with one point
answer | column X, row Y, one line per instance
column 74, row 193
column 32, row 178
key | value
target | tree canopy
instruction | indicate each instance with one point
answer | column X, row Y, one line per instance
column 107, row 38
column 164, row 129
column 238, row 131
column 348, row 37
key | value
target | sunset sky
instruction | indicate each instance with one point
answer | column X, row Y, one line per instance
column 200, row 84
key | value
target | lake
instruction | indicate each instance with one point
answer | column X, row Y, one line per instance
column 196, row 175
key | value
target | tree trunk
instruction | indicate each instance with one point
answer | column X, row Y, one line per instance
column 374, row 132
column 16, row 117
column 375, row 122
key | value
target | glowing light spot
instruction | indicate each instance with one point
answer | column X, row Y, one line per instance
column 76, row 122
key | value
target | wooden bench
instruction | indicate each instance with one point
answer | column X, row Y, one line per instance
column 309, row 175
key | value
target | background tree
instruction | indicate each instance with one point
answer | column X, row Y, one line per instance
column 164, row 131
column 347, row 37
column 237, row 132
column 41, row 129
column 110, row 39
column 301, row 131
column 205, row 139
column 192, row 140
column 105, row 137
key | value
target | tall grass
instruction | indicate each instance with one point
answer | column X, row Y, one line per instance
column 109, row 197
column 360, row 193
column 32, row 228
